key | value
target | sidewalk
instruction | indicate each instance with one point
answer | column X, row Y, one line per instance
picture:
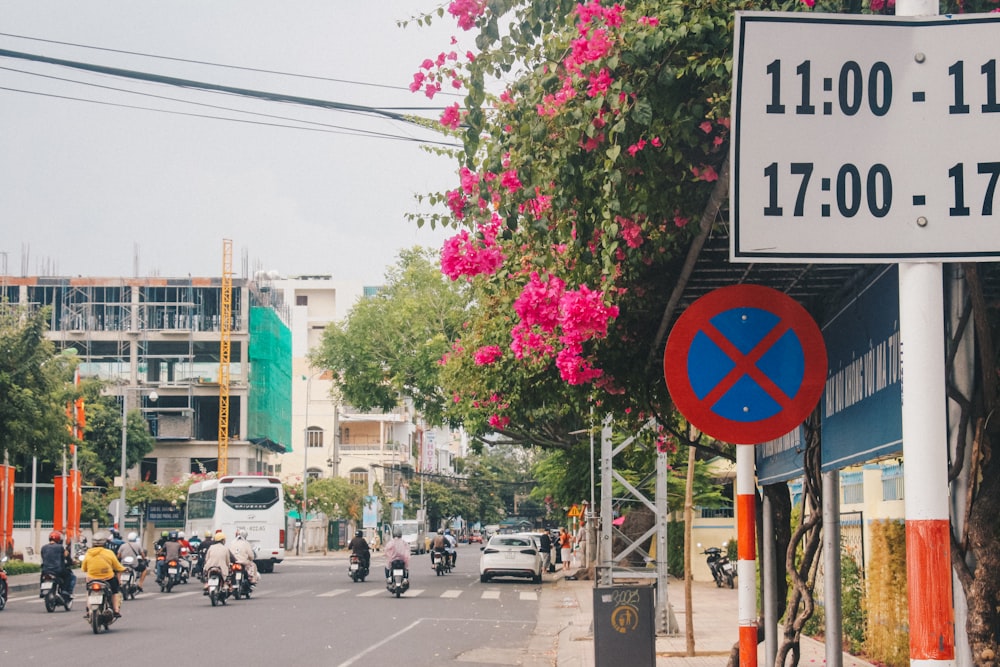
column 566, row 615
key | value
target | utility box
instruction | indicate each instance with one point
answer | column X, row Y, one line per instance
column 624, row 627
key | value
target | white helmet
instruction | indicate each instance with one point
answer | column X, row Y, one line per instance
column 133, row 536
column 240, row 534
column 180, row 535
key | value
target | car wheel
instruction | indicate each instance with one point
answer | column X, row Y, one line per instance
column 536, row 579
column 483, row 579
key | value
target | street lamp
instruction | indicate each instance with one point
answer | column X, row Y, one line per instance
column 152, row 397
column 305, row 466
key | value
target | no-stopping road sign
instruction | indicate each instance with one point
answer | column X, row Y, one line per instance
column 745, row 364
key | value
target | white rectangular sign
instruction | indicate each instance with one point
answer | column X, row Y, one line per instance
column 865, row 138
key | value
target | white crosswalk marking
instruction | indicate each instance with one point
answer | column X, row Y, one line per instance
column 529, row 595
column 332, row 593
column 414, row 592
column 371, row 593
column 491, row 595
column 451, row 594
column 174, row 596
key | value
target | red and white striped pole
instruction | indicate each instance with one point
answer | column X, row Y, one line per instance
column 746, row 565
column 925, row 447
column 925, row 469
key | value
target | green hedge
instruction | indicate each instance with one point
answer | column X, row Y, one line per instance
column 20, row 567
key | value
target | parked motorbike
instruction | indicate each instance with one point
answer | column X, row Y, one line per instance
column 440, row 562
column 129, row 579
column 357, row 569
column 723, row 571
column 399, row 579
column 100, row 610
column 50, row 588
column 218, row 587
column 240, row 581
column 171, row 576
column 3, row 584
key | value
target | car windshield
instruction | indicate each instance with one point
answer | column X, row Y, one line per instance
column 508, row 541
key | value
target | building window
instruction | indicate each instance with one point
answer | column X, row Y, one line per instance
column 359, row 477
column 314, row 473
column 314, row 436
column 852, row 486
column 301, row 300
column 892, row 481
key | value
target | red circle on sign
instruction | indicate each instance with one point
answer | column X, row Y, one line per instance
column 702, row 411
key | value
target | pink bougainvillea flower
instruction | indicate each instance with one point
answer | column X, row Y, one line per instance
column 705, row 173
column 599, row 82
column 469, row 178
column 450, row 117
column 496, row 421
column 631, row 232
column 466, row 12
column 457, row 202
column 649, row 20
column 706, row 126
column 680, row 221
column 487, row 355
column 812, row 3
column 510, row 180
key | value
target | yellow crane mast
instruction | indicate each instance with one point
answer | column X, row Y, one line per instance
column 225, row 335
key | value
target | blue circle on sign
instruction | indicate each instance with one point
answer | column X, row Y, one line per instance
column 783, row 363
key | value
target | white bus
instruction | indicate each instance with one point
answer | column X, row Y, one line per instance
column 250, row 503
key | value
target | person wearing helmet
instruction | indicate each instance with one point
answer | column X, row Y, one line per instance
column 101, row 564
column 451, row 547
column 218, row 556
column 56, row 560
column 132, row 549
column 396, row 549
column 206, row 543
column 171, row 551
column 439, row 546
column 243, row 554
column 359, row 545
column 114, row 540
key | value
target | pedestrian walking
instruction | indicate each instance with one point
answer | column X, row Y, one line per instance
column 545, row 543
column 565, row 546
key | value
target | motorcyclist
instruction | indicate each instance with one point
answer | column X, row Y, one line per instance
column 203, row 547
column 101, row 564
column 358, row 545
column 158, row 545
column 452, row 546
column 396, row 549
column 243, row 554
column 114, row 540
column 56, row 560
column 134, row 549
column 439, row 545
column 171, row 551
column 218, row 555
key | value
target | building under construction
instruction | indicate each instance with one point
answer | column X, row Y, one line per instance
column 162, row 345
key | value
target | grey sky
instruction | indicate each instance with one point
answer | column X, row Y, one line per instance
column 82, row 185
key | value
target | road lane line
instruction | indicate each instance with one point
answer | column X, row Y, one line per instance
column 529, row 595
column 371, row 593
column 451, row 594
column 378, row 645
column 332, row 593
column 491, row 595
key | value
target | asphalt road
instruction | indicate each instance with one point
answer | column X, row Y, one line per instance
column 307, row 612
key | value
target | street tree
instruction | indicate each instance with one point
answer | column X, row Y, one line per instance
column 102, row 442
column 34, row 386
column 390, row 344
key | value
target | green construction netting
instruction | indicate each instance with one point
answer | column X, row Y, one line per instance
column 270, row 377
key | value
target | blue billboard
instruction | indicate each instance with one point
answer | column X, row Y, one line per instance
column 862, row 404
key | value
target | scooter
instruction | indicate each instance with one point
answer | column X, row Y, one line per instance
column 399, row 579
column 357, row 568
column 722, row 570
column 171, row 576
column 241, row 581
column 50, row 588
column 3, row 584
column 129, row 579
column 100, row 611
column 218, row 587
column 440, row 562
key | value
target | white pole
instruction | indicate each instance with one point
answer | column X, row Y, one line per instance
column 34, row 494
column 121, row 507
column 746, row 565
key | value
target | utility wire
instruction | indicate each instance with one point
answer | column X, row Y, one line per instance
column 344, row 130
column 211, row 64
column 200, row 85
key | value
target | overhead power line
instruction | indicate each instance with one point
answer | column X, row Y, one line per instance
column 201, row 85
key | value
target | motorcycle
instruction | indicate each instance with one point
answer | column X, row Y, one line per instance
column 722, row 570
column 184, row 565
column 171, row 577
column 218, row 588
column 240, row 581
column 50, row 588
column 357, row 569
column 399, row 580
column 3, row 584
column 100, row 611
column 129, row 579
column 440, row 562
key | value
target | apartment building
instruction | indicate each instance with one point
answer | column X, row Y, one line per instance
column 156, row 342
